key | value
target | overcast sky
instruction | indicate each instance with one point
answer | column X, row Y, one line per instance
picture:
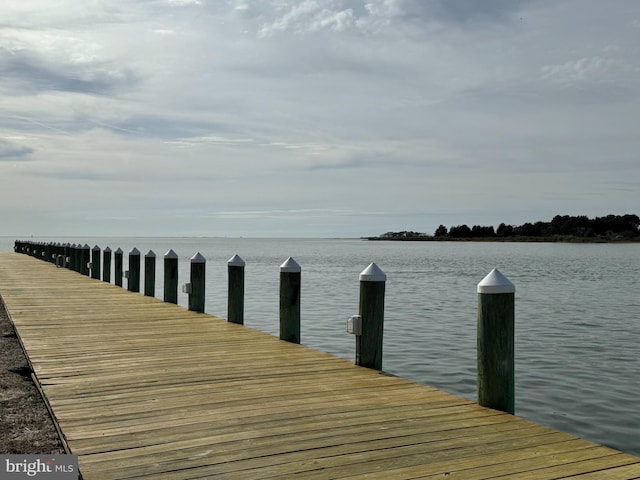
column 314, row 117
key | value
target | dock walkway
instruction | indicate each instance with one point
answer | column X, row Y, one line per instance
column 144, row 389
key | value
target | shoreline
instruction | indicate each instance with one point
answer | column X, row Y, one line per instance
column 556, row 239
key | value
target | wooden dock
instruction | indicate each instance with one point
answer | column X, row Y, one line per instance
column 144, row 389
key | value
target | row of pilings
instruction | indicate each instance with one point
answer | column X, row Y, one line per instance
column 496, row 305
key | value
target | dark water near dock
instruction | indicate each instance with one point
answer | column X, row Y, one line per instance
column 577, row 314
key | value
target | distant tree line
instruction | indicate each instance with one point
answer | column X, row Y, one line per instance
column 609, row 227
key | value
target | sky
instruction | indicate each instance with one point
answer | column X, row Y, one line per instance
column 314, row 118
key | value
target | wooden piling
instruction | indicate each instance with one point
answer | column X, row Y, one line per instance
column 133, row 282
column 106, row 265
column 73, row 261
column 85, row 259
column 52, row 252
column 77, row 257
column 369, row 344
column 496, row 318
column 197, row 280
column 59, row 254
column 290, row 282
column 67, row 255
column 171, row 277
column 73, row 257
column 150, row 274
column 235, row 302
column 95, row 262
column 118, row 267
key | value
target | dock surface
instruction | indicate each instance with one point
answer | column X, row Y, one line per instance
column 140, row 388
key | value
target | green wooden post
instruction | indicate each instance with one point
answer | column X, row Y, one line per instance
column 133, row 283
column 77, row 257
column 235, row 302
column 118, row 267
column 85, row 259
column 59, row 255
column 150, row 274
column 106, row 265
column 369, row 344
column 53, row 253
column 197, row 281
column 67, row 255
column 171, row 277
column 290, row 282
column 95, row 262
column 72, row 257
column 496, row 315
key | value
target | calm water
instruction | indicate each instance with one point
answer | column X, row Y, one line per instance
column 577, row 315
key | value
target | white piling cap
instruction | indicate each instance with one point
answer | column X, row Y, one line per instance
column 119, row 250
column 134, row 251
column 150, row 254
column 290, row 266
column 107, row 250
column 171, row 254
column 373, row 273
column 236, row 261
column 198, row 258
column 496, row 282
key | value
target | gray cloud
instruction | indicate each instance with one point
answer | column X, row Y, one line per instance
column 28, row 72
column 160, row 126
column 464, row 11
column 9, row 151
column 304, row 17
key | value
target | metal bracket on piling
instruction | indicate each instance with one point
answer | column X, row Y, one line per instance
column 354, row 325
